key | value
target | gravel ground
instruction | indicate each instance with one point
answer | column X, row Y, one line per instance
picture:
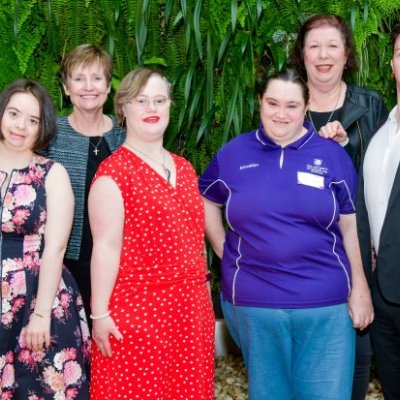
column 231, row 382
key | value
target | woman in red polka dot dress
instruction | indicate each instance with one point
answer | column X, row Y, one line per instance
column 153, row 324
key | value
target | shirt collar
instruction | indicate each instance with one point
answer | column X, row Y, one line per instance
column 392, row 115
column 264, row 139
column 393, row 131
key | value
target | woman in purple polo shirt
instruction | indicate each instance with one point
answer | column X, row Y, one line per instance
column 293, row 286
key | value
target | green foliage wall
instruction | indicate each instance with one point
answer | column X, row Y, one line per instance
column 212, row 50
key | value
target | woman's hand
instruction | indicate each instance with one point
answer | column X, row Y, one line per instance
column 60, row 211
column 107, row 231
column 102, row 330
column 360, row 303
column 37, row 334
column 360, row 307
column 334, row 130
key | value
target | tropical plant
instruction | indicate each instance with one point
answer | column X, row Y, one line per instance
column 212, row 50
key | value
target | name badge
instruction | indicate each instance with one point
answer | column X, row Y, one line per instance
column 305, row 178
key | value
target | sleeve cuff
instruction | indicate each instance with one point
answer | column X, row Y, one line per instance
column 345, row 143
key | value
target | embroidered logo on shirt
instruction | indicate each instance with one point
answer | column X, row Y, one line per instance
column 252, row 165
column 317, row 168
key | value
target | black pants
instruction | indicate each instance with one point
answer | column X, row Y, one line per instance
column 80, row 270
column 362, row 365
column 385, row 335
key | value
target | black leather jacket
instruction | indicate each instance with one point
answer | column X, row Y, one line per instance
column 362, row 115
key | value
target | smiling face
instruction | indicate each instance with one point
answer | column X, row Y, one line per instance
column 324, row 55
column 20, row 122
column 147, row 114
column 282, row 110
column 87, row 87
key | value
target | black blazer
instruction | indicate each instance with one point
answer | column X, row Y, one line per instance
column 388, row 263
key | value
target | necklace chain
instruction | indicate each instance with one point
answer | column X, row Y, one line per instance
column 99, row 128
column 167, row 171
column 96, row 146
column 331, row 114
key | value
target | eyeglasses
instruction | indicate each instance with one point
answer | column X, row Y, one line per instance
column 143, row 101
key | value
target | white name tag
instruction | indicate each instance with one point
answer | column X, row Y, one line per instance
column 305, row 178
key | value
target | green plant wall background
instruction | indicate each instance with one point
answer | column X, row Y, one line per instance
column 213, row 51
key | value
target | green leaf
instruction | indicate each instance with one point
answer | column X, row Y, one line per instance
column 194, row 104
column 168, row 9
column 155, row 61
column 231, row 112
column 141, row 28
column 365, row 15
column 205, row 124
column 196, row 27
column 224, row 45
column 178, row 18
column 353, row 16
column 234, row 7
column 184, row 8
column 188, row 84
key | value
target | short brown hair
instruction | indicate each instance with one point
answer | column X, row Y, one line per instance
column 85, row 54
column 47, row 123
column 131, row 86
column 318, row 21
column 395, row 34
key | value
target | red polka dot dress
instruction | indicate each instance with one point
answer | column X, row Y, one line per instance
column 160, row 301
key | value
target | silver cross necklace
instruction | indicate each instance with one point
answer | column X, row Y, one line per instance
column 96, row 146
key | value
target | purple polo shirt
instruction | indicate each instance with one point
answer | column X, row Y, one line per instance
column 283, row 247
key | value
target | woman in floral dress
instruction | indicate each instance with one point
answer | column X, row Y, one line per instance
column 44, row 339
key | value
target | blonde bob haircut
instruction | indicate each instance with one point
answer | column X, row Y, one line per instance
column 131, row 86
column 85, row 55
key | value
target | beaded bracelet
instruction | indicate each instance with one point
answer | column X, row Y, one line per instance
column 101, row 316
column 39, row 315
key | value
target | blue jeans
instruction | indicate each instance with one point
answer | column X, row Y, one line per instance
column 301, row 354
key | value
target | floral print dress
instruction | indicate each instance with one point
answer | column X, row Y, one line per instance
column 59, row 372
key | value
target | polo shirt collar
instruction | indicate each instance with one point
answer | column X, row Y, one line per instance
column 262, row 137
